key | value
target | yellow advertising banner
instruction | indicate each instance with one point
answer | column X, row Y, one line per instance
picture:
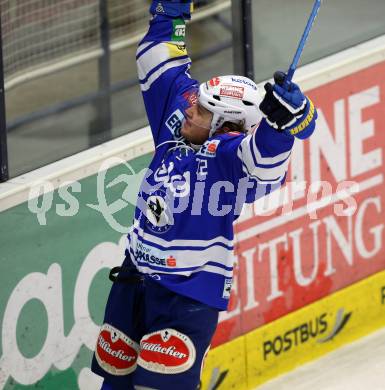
column 315, row 330
column 297, row 338
column 225, row 367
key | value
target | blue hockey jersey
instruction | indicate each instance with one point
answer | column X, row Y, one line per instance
column 182, row 235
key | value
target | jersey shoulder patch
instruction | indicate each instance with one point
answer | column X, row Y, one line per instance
column 220, row 144
column 209, row 148
column 174, row 123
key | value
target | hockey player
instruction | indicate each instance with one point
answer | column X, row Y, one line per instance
column 217, row 146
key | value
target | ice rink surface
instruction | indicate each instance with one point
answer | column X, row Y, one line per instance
column 357, row 366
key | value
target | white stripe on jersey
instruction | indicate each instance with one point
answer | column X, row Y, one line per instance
column 185, row 257
column 266, row 174
column 246, row 146
column 271, row 175
column 151, row 58
column 155, row 56
column 142, row 47
column 167, row 244
column 206, row 268
column 169, row 65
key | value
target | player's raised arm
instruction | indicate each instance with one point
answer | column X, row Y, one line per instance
column 163, row 67
column 288, row 113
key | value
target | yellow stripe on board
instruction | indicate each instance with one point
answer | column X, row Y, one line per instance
column 299, row 337
column 225, row 367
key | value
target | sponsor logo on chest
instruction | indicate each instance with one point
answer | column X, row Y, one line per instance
column 148, row 255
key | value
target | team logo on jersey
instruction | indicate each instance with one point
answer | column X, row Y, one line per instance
column 159, row 215
column 166, row 351
column 232, row 91
column 174, row 123
column 159, row 8
column 115, row 352
column 209, row 148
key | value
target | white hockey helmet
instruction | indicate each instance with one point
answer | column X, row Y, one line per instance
column 233, row 99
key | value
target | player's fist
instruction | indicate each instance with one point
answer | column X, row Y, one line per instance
column 173, row 8
column 287, row 109
column 282, row 107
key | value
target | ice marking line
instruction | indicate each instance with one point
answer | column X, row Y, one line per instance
column 301, row 211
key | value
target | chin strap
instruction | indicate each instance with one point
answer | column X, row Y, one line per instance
column 196, row 147
column 216, row 123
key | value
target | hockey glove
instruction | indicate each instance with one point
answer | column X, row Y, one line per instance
column 173, row 8
column 288, row 110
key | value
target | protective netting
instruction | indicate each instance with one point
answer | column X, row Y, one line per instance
column 127, row 17
column 39, row 33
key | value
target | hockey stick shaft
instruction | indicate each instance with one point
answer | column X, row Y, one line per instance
column 302, row 42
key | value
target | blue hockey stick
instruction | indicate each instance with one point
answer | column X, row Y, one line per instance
column 302, row 42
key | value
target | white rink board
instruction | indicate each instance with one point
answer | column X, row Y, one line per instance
column 357, row 366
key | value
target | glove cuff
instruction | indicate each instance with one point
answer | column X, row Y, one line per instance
column 306, row 125
column 172, row 8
